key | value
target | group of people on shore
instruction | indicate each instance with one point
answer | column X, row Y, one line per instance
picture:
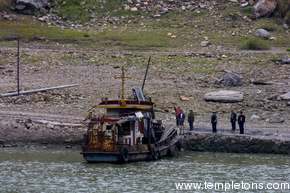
column 234, row 119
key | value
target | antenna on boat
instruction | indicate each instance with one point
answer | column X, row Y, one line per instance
column 144, row 80
column 123, row 84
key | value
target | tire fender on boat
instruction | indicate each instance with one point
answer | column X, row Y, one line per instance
column 179, row 145
column 172, row 151
column 124, row 154
column 154, row 154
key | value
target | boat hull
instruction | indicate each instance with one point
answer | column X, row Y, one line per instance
column 117, row 157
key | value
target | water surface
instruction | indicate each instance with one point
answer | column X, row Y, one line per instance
column 51, row 171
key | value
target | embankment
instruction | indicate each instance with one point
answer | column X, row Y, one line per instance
column 232, row 143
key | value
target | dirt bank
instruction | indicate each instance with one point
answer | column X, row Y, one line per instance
column 32, row 128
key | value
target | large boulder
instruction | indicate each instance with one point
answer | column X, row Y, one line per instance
column 31, row 7
column 231, row 79
column 262, row 33
column 224, row 96
column 264, row 8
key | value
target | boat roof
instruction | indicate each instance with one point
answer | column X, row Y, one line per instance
column 125, row 104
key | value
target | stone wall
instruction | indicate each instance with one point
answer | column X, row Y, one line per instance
column 235, row 143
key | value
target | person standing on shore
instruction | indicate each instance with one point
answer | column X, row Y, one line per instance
column 190, row 119
column 233, row 121
column 177, row 115
column 241, row 122
column 214, row 122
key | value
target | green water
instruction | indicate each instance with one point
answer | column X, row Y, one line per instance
column 51, row 171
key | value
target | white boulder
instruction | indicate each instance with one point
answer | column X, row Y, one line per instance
column 224, row 96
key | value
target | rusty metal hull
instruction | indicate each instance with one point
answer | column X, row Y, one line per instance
column 116, row 157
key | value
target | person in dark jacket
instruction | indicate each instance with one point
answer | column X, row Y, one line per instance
column 233, row 120
column 181, row 120
column 214, row 122
column 190, row 119
column 241, row 122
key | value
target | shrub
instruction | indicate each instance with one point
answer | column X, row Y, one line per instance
column 255, row 44
column 288, row 49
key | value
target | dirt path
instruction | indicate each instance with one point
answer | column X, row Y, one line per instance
column 39, row 116
column 145, row 52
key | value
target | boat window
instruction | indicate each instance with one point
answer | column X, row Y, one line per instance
column 113, row 112
column 120, row 112
column 125, row 128
column 109, row 127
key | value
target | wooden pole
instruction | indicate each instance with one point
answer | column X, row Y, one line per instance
column 18, row 67
column 36, row 90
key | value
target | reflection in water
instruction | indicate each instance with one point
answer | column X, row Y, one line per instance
column 65, row 171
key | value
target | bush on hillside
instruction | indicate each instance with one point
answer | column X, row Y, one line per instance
column 255, row 44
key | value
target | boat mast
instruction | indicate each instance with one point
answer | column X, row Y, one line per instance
column 123, row 78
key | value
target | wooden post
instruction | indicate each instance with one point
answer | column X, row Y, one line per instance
column 18, row 67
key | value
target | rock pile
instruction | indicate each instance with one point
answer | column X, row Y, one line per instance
column 30, row 7
column 9, row 17
column 162, row 7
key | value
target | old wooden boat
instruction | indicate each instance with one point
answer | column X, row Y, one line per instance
column 128, row 132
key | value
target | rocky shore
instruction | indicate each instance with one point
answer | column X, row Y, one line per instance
column 37, row 130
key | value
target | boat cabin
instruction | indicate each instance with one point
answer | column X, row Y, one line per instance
column 125, row 123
